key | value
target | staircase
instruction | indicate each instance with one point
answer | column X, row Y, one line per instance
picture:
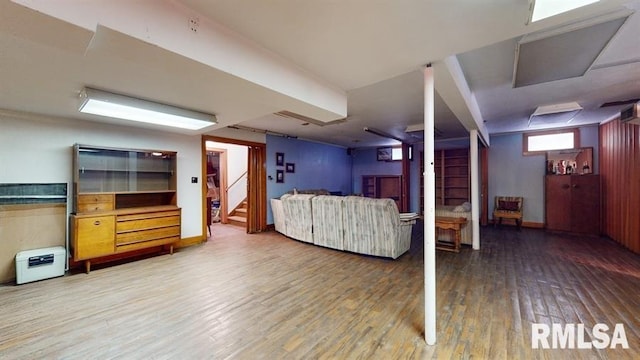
column 238, row 216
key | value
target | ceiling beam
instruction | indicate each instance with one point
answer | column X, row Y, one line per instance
column 176, row 28
column 454, row 90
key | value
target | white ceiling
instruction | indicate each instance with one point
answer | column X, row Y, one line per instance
column 372, row 52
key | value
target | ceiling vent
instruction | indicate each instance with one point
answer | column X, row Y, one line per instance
column 554, row 115
column 563, row 53
column 631, row 114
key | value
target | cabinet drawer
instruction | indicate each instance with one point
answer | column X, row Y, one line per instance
column 147, row 235
column 125, row 225
column 95, row 202
column 149, row 215
column 93, row 236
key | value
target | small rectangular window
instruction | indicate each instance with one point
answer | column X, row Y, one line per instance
column 396, row 153
column 540, row 142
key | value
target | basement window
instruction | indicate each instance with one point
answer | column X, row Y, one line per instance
column 539, row 142
column 396, row 153
column 392, row 153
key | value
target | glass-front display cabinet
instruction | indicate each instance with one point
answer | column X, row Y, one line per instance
column 124, row 200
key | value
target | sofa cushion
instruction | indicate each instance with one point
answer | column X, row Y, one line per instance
column 298, row 217
column 328, row 229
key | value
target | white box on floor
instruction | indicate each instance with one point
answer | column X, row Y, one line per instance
column 39, row 264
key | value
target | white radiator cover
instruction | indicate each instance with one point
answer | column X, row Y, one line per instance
column 39, row 264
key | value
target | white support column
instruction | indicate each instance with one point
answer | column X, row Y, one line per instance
column 429, row 211
column 475, row 190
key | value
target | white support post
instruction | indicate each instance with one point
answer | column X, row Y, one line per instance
column 429, row 211
column 475, row 190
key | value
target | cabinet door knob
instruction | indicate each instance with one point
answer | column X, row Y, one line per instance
column 96, row 223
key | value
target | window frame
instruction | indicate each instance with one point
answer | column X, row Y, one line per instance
column 525, row 140
column 400, row 147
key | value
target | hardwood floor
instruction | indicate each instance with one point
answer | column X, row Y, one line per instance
column 268, row 297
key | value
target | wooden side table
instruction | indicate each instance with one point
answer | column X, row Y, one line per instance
column 453, row 224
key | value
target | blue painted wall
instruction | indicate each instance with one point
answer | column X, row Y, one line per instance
column 365, row 162
column 317, row 166
column 330, row 167
column 513, row 174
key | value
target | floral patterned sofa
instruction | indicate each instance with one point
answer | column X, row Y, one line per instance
column 351, row 223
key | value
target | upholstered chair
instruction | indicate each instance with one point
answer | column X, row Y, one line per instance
column 508, row 207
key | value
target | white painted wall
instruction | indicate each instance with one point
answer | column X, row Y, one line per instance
column 38, row 149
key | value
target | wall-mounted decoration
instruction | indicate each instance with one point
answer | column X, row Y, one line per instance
column 291, row 167
column 280, row 176
column 279, row 159
column 384, row 154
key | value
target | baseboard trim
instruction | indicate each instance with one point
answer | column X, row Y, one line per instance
column 186, row 242
column 527, row 224
column 534, row 225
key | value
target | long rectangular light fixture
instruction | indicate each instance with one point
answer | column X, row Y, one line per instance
column 103, row 103
column 383, row 134
column 542, row 9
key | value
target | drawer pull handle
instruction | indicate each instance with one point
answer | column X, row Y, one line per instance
column 96, row 223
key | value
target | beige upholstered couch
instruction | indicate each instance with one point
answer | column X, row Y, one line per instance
column 351, row 223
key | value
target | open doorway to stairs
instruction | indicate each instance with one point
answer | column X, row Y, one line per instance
column 235, row 186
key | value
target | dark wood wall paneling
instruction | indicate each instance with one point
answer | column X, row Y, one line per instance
column 620, row 174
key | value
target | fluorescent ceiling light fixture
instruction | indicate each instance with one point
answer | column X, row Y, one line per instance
column 118, row 106
column 542, row 9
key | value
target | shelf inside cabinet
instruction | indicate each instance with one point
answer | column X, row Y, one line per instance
column 452, row 176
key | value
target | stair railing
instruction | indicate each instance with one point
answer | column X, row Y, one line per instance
column 236, row 181
column 235, row 194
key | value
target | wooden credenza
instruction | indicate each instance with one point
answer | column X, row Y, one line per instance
column 107, row 233
column 572, row 203
column 124, row 200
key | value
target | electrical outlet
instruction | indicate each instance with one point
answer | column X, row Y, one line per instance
column 194, row 23
column 194, row 179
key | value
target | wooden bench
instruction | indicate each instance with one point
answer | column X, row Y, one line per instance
column 450, row 223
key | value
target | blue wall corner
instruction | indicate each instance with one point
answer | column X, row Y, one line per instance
column 316, row 166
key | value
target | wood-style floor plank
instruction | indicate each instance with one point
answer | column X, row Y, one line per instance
column 265, row 296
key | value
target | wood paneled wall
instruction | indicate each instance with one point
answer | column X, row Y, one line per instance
column 620, row 174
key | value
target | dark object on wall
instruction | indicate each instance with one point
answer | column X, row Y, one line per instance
column 384, row 153
column 290, row 168
column 279, row 159
column 12, row 194
column 280, row 176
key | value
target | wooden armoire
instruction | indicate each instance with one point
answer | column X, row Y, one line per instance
column 572, row 203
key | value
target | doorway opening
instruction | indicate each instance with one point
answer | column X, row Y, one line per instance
column 235, row 186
